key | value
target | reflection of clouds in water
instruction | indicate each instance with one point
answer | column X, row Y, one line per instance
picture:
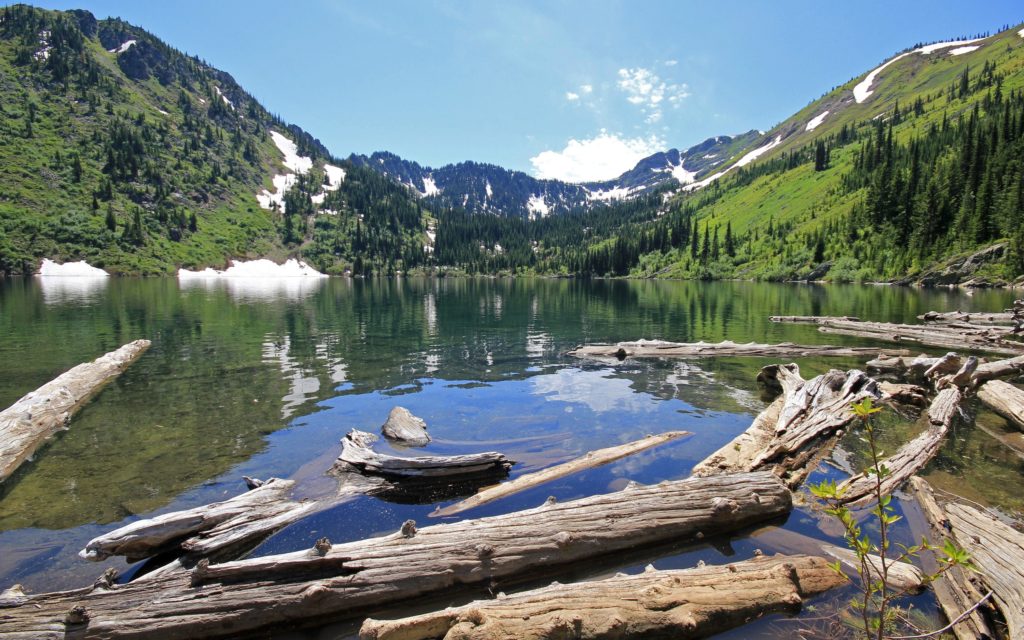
column 537, row 343
column 257, row 289
column 689, row 374
column 430, row 313
column 592, row 389
column 305, row 384
column 59, row 289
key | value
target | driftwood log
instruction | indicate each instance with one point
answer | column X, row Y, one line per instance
column 970, row 337
column 1005, row 399
column 684, row 604
column 859, row 490
column 331, row 582
column 661, row 349
column 997, row 550
column 793, row 435
column 38, row 415
column 999, row 369
column 956, row 591
column 967, row 317
column 405, row 429
column 357, row 452
column 589, row 461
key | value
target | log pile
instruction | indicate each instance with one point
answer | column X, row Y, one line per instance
column 336, row 581
column 40, row 414
column 727, row 348
column 689, row 603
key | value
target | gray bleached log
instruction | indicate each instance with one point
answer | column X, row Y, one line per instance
column 684, row 604
column 660, row 349
column 1005, row 399
column 999, row 369
column 859, row 490
column 589, row 461
column 38, row 415
column 332, row 582
column 357, row 452
column 955, row 591
column 967, row 317
column 404, row 428
column 791, row 437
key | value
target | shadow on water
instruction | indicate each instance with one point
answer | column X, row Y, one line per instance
column 264, row 381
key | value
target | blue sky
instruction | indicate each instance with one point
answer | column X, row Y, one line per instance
column 571, row 89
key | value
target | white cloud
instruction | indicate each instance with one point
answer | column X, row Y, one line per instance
column 647, row 90
column 671, row 63
column 602, row 157
column 572, row 97
column 587, row 88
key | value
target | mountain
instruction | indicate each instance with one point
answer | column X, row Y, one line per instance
column 120, row 150
column 485, row 188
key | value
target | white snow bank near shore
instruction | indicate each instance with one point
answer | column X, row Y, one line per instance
column 81, row 269
column 255, row 269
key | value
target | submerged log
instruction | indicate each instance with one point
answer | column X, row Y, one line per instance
column 793, row 438
column 688, row 603
column 955, row 591
column 987, row 339
column 661, row 349
column 859, row 490
column 405, row 429
column 1005, row 399
column 356, row 452
column 38, row 415
column 901, row 576
column 997, row 550
column 328, row 581
column 589, row 461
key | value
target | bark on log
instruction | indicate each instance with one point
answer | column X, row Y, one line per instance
column 1005, row 399
column 356, row 451
column 901, row 576
column 906, row 394
column 793, row 437
column 859, row 490
column 38, row 415
column 405, row 429
column 661, row 349
column 962, row 317
column 684, row 604
column 306, row 587
column 955, row 591
column 999, row 369
column 589, row 461
column 915, row 366
column 997, row 550
column 987, row 339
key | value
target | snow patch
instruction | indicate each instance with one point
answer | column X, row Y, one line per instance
column 163, row 112
column 709, row 156
column 816, row 120
column 488, row 189
column 429, row 187
column 258, row 269
column 862, row 91
column 1021, row 33
column 124, row 47
column 537, row 207
column 282, row 183
column 618, row 193
column 959, row 51
column 757, row 153
column 682, row 175
column 224, row 97
column 335, row 175
column 292, row 159
column 81, row 269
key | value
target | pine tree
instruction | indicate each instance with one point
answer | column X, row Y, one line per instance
column 111, row 220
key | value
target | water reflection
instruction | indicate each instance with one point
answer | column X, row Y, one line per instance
column 257, row 289
column 72, row 289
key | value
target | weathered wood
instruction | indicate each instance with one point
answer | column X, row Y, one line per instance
column 975, row 338
column 1005, row 399
column 404, row 428
column 915, row 366
column 859, row 490
column 997, row 550
column 954, row 591
column 589, row 461
column 684, row 604
column 905, row 394
column 661, row 349
column 306, row 587
column 962, row 378
column 901, row 576
column 38, row 415
column 792, row 440
column 965, row 317
column 999, row 369
column 356, row 451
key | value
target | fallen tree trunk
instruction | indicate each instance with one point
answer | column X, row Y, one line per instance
column 38, row 415
column 684, row 604
column 660, row 349
column 356, row 452
column 962, row 317
column 306, row 587
column 791, row 438
column 997, row 550
column 589, row 461
column 987, row 339
column 955, row 591
column 998, row 369
column 1005, row 399
column 859, row 490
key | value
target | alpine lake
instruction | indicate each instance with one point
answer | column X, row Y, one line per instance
column 264, row 378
